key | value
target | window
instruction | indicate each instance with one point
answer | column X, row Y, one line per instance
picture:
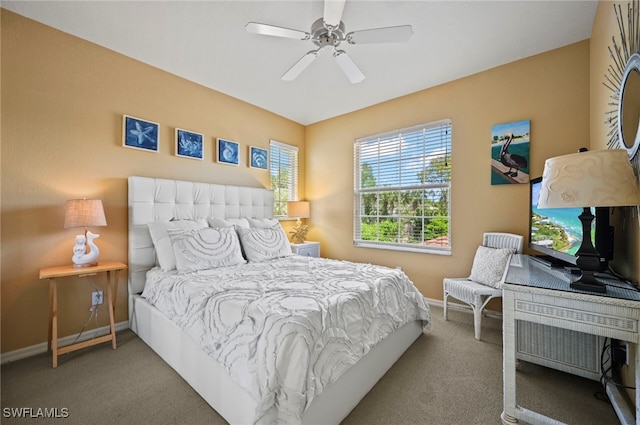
column 403, row 189
column 283, row 167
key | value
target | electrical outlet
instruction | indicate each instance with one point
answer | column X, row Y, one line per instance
column 621, row 353
column 96, row 298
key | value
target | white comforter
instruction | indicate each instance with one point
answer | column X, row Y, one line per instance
column 286, row 328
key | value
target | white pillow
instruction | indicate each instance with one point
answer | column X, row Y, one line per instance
column 160, row 237
column 228, row 222
column 489, row 265
column 206, row 248
column 264, row 243
column 262, row 222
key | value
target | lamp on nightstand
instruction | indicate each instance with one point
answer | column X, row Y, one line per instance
column 84, row 213
column 602, row 178
column 298, row 210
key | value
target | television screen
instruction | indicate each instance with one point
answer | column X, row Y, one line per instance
column 555, row 231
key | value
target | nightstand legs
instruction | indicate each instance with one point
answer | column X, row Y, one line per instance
column 112, row 281
column 111, row 305
column 53, row 321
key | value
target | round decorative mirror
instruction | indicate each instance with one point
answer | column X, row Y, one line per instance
column 623, row 79
column 629, row 107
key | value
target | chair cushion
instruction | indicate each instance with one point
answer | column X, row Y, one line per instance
column 467, row 290
column 489, row 265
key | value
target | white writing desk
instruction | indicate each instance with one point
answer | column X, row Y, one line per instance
column 535, row 293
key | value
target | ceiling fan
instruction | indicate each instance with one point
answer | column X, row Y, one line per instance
column 327, row 33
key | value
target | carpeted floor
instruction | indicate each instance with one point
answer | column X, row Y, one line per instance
column 445, row 378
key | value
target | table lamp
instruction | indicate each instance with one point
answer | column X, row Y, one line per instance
column 84, row 213
column 601, row 178
column 298, row 210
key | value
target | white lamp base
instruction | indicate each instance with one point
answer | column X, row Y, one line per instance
column 82, row 258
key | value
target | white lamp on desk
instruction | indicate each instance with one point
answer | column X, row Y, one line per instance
column 602, row 178
column 84, row 213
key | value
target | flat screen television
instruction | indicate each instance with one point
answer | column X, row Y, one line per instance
column 556, row 233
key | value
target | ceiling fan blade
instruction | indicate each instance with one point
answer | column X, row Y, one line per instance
column 272, row 30
column 348, row 66
column 300, row 66
column 399, row 34
column 333, row 12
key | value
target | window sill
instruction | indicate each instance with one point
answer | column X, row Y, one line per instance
column 403, row 248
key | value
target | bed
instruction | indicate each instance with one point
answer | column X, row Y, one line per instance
column 220, row 372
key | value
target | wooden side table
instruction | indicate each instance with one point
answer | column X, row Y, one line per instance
column 51, row 273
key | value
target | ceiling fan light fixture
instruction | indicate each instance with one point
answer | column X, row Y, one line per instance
column 327, row 33
column 322, row 36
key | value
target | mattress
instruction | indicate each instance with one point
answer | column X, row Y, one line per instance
column 286, row 328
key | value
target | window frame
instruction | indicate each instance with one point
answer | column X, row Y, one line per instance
column 394, row 141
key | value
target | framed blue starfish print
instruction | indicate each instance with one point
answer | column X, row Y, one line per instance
column 140, row 134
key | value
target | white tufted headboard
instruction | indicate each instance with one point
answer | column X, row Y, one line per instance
column 152, row 199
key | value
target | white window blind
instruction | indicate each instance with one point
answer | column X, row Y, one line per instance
column 403, row 189
column 283, row 167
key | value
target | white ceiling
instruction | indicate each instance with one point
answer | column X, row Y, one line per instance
column 206, row 42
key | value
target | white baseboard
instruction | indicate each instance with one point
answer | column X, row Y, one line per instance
column 435, row 302
column 22, row 353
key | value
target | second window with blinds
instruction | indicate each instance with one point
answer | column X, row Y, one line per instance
column 283, row 170
column 402, row 189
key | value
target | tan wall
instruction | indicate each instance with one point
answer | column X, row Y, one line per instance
column 627, row 242
column 62, row 105
column 551, row 90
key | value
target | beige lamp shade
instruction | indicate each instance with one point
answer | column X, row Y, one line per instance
column 298, row 209
column 601, row 178
column 84, row 213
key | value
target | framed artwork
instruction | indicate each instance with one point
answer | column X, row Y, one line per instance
column 189, row 144
column 228, row 152
column 258, row 158
column 510, row 152
column 140, row 134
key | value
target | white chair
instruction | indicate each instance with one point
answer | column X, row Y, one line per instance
column 487, row 274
